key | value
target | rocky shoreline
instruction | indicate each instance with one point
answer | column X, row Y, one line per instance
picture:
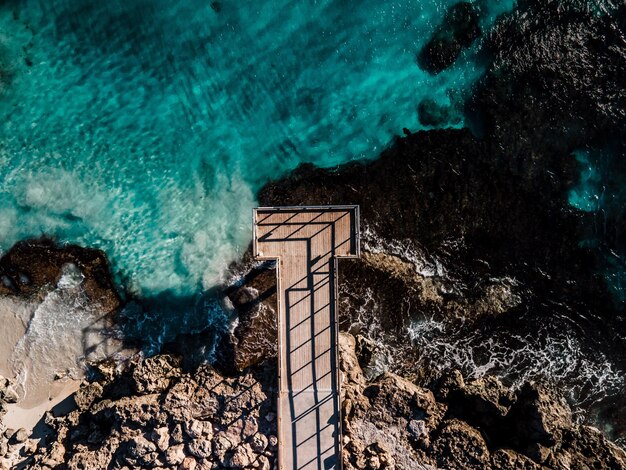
column 468, row 231
column 151, row 413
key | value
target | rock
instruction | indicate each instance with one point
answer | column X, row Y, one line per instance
column 483, row 402
column 200, row 448
column 263, row 463
column 87, row 395
column 161, row 437
column 221, row 445
column 197, row 429
column 388, row 422
column 175, row 454
column 29, row 447
column 189, row 463
column 141, row 451
column 392, row 397
column 20, row 436
column 177, row 433
column 54, row 455
column 259, row 442
column 242, row 457
column 255, row 336
column 506, row 459
column 459, row 446
column 8, row 394
column 539, row 453
column 587, row 447
column 458, row 31
column 419, row 431
column 34, row 265
column 539, row 416
column 152, row 375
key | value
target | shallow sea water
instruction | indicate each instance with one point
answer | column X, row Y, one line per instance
column 145, row 127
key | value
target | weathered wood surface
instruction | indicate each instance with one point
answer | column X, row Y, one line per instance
column 306, row 243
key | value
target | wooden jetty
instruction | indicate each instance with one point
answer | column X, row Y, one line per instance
column 306, row 242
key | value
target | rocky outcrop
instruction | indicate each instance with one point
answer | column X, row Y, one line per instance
column 32, row 267
column 431, row 113
column 152, row 414
column 389, row 422
column 254, row 338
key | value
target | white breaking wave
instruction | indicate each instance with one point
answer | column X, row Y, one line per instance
column 555, row 355
column 62, row 332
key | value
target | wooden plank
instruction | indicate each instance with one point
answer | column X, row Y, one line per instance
column 306, row 242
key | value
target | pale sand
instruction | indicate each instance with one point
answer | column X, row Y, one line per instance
column 18, row 417
column 14, row 317
column 40, row 340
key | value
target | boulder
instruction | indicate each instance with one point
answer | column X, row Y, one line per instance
column 460, row 446
column 506, row 459
column 175, row 454
column 152, row 375
column 35, row 265
column 539, row 415
column 200, row 448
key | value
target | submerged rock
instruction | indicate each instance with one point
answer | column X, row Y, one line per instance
column 458, row 30
column 431, row 113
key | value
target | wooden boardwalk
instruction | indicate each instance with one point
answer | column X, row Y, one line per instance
column 306, row 242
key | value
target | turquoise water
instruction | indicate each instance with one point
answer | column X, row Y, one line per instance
column 600, row 191
column 145, row 128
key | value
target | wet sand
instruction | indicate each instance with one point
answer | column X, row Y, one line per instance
column 27, row 418
column 42, row 340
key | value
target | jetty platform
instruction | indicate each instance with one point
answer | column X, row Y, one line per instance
column 306, row 243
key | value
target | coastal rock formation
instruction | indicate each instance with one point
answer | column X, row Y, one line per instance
column 31, row 267
column 389, row 422
column 431, row 113
column 255, row 336
column 153, row 414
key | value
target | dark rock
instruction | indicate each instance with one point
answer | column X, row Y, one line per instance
column 587, row 447
column 539, row 416
column 506, row 459
column 255, row 336
column 458, row 31
column 35, row 265
column 431, row 113
column 553, row 84
column 483, row 402
column 460, row 446
column 87, row 395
